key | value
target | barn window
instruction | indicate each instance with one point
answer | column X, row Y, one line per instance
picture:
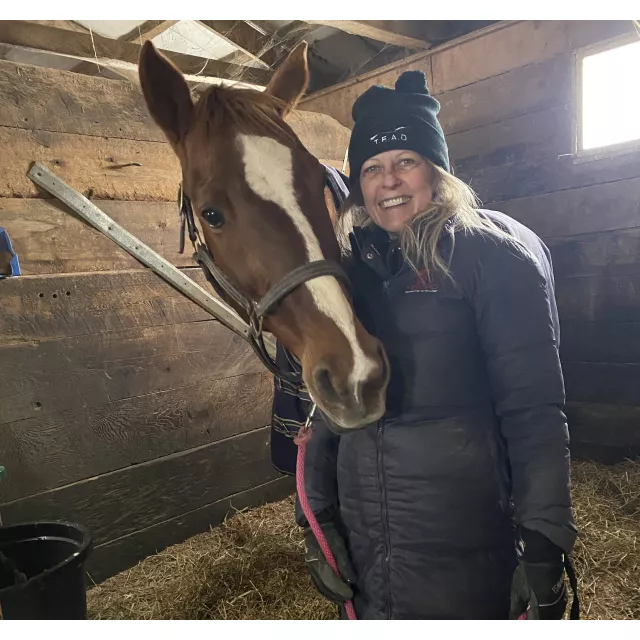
column 608, row 98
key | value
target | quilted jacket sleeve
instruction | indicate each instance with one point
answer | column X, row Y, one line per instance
column 514, row 309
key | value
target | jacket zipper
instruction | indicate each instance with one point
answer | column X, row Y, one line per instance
column 385, row 525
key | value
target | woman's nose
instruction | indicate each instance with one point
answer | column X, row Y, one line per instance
column 390, row 178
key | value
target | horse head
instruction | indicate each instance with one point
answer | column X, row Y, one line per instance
column 260, row 200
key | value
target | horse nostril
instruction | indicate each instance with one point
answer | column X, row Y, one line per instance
column 324, row 383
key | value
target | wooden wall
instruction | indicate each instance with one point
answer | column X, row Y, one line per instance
column 123, row 406
column 507, row 111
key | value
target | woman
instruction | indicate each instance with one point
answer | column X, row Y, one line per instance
column 424, row 510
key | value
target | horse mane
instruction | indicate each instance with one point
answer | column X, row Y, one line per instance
column 248, row 111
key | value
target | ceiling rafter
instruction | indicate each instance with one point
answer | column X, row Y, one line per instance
column 148, row 30
column 27, row 34
column 400, row 33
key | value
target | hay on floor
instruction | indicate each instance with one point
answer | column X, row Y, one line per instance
column 249, row 568
column 252, row 566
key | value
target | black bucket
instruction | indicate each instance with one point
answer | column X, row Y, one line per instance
column 42, row 573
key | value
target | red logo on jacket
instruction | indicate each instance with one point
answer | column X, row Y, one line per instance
column 423, row 283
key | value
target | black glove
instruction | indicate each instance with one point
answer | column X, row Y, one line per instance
column 538, row 587
column 325, row 580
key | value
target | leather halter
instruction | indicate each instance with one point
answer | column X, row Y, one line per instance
column 256, row 311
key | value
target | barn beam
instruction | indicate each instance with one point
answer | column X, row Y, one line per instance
column 148, row 30
column 251, row 45
column 400, row 33
column 26, row 34
column 280, row 42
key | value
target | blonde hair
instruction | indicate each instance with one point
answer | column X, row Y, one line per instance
column 454, row 208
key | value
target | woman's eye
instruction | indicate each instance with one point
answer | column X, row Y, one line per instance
column 406, row 162
column 370, row 169
column 213, row 217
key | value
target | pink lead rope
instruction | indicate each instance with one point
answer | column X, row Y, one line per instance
column 304, row 435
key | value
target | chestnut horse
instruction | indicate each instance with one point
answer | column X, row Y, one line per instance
column 259, row 197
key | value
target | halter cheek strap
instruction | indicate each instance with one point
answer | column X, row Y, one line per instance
column 256, row 311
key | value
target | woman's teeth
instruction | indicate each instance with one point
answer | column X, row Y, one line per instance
column 394, row 202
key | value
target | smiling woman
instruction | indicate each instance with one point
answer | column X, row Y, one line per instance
column 424, row 508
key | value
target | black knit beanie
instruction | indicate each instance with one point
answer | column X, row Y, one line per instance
column 404, row 118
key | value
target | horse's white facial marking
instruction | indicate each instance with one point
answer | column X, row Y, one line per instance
column 268, row 170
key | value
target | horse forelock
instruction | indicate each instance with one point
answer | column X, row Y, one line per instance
column 226, row 111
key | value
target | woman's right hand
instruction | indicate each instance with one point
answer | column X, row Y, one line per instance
column 332, row 587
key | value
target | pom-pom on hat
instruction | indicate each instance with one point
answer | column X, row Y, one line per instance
column 400, row 118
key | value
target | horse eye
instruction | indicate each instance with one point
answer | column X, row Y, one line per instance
column 213, row 218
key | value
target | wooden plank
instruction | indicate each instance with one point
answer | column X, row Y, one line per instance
column 106, row 168
column 26, row 34
column 400, row 33
column 583, row 199
column 49, row 239
column 524, row 179
column 600, row 341
column 252, row 45
column 111, row 558
column 516, row 46
column 533, row 88
column 324, row 138
column 41, row 378
column 148, row 30
column 116, row 504
column 609, row 425
column 602, row 453
column 66, row 102
column 596, row 254
column 338, row 105
column 537, row 87
column 93, row 303
column 599, row 298
column 47, row 452
column 536, row 135
column 602, row 383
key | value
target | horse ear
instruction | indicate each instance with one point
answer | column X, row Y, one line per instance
column 166, row 93
column 291, row 79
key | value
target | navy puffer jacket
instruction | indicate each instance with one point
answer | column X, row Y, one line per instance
column 474, row 442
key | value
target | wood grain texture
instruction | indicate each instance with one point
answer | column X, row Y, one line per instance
column 92, row 165
column 33, row 98
column 533, row 88
column 116, row 504
column 40, row 378
column 475, row 59
column 580, row 206
column 600, row 342
column 113, row 557
column 93, row 303
column 596, row 254
column 602, row 453
column 609, row 425
column 517, row 46
column 602, row 383
column 51, row 239
column 46, row 452
column 538, row 177
column 599, row 298
column 536, row 135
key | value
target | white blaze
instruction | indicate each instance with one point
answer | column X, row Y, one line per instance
column 268, row 170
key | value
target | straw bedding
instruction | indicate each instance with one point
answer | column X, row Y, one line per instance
column 252, row 566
